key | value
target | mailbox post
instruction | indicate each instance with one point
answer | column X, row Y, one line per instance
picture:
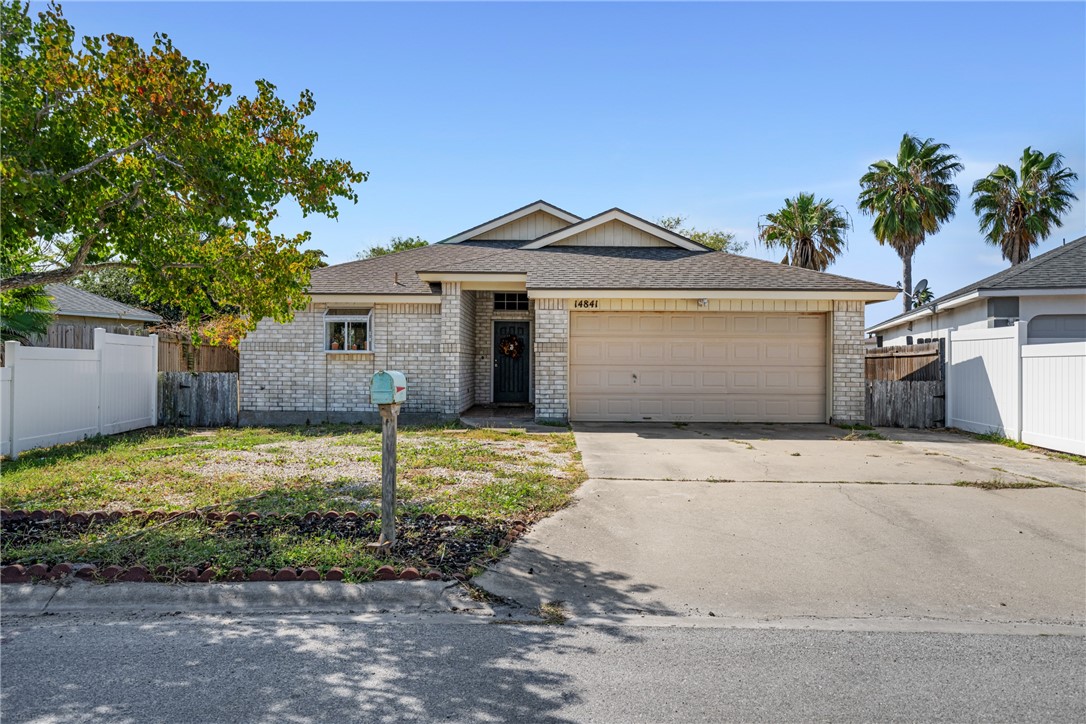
column 388, row 390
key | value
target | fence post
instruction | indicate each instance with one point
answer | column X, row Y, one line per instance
column 154, row 380
column 1020, row 340
column 99, row 349
column 948, row 383
column 11, row 354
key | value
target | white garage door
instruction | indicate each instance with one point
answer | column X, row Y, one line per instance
column 710, row 367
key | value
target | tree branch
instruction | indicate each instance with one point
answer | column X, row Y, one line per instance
column 89, row 166
column 65, row 274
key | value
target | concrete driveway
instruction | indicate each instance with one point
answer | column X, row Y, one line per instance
column 787, row 522
column 809, row 454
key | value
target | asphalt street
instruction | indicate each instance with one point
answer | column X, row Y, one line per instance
column 217, row 668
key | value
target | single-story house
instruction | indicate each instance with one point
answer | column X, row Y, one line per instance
column 1047, row 293
column 78, row 312
column 606, row 318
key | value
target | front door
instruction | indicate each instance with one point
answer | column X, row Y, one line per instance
column 512, row 348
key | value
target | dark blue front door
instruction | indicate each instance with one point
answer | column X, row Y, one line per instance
column 511, row 353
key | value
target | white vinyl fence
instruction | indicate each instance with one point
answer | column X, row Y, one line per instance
column 1034, row 393
column 50, row 396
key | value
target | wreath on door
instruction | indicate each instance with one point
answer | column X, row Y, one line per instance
column 511, row 346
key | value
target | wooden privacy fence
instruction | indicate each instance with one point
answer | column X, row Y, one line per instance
column 904, row 386
column 198, row 399
column 179, row 354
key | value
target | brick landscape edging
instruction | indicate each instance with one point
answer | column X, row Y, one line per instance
column 63, row 516
column 17, row 573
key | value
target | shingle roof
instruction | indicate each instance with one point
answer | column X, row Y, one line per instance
column 1061, row 268
column 81, row 303
column 557, row 267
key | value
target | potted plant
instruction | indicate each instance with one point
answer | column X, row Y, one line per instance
column 337, row 340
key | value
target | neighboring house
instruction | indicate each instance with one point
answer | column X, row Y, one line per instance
column 606, row 318
column 1015, row 349
column 1046, row 293
column 78, row 313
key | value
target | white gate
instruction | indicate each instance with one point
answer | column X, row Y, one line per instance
column 983, row 380
column 1033, row 393
column 1054, row 396
column 52, row 396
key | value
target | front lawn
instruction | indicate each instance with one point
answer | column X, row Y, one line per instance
column 492, row 477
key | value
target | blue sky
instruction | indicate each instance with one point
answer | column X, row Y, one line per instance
column 461, row 112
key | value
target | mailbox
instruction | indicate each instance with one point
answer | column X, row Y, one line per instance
column 388, row 388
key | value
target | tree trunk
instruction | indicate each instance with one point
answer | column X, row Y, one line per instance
column 907, row 280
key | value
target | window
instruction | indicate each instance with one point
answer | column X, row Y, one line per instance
column 1002, row 311
column 505, row 301
column 347, row 330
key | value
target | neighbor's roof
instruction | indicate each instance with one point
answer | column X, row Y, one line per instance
column 73, row 302
column 1061, row 268
column 573, row 267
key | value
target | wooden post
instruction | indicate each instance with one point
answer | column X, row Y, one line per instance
column 389, row 413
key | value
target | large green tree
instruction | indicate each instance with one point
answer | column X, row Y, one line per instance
column 812, row 233
column 119, row 157
column 910, row 198
column 712, row 238
column 1019, row 210
column 395, row 244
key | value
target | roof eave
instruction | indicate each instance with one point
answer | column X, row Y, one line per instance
column 864, row 295
column 137, row 317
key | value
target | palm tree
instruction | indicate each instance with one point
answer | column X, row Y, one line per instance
column 923, row 297
column 811, row 233
column 25, row 315
column 1017, row 211
column 910, row 198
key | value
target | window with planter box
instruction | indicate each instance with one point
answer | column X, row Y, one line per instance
column 348, row 330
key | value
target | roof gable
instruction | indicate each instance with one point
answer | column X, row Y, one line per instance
column 524, row 224
column 615, row 227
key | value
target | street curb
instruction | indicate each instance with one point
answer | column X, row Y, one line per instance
column 80, row 597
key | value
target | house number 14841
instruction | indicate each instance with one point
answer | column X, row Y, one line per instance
column 586, row 304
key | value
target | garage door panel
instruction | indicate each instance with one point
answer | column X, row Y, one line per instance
column 812, row 324
column 714, row 380
column 745, row 325
column 706, row 366
column 651, row 323
column 679, row 380
column 714, row 324
column 683, row 324
column 652, row 352
column 586, row 351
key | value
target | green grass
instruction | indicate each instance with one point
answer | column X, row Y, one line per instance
column 855, row 427
column 1000, row 485
column 1008, row 442
column 481, row 473
column 485, row 474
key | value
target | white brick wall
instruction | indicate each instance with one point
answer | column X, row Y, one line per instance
column 552, row 359
column 284, row 368
column 848, row 361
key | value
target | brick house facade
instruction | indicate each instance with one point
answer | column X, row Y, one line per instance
column 711, row 335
